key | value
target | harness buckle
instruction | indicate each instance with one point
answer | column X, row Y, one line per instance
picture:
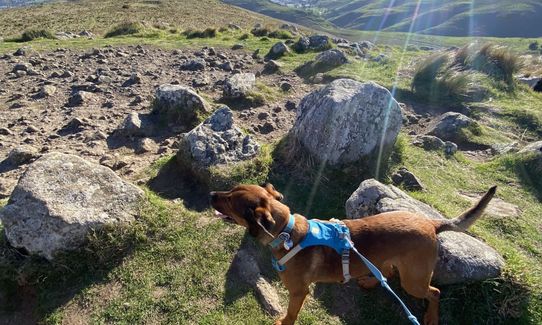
column 284, row 236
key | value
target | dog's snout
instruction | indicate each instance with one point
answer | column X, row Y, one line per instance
column 213, row 196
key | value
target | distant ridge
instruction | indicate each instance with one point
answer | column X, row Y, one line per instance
column 492, row 18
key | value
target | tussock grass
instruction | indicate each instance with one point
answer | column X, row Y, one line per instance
column 436, row 79
column 206, row 33
column 126, row 28
column 281, row 34
column 33, row 34
column 496, row 61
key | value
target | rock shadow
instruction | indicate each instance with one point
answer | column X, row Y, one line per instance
column 32, row 288
column 173, row 182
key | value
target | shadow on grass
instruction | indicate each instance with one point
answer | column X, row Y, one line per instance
column 172, row 182
column 31, row 288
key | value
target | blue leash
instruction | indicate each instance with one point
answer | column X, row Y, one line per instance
column 384, row 282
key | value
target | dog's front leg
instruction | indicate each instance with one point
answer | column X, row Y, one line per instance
column 297, row 298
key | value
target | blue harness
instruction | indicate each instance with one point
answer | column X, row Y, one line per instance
column 334, row 234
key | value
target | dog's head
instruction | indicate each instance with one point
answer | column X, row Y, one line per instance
column 254, row 207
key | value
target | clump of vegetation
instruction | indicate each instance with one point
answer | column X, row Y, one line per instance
column 126, row 28
column 206, row 33
column 533, row 46
column 436, row 79
column 244, row 37
column 281, row 34
column 33, row 34
column 261, row 31
column 496, row 61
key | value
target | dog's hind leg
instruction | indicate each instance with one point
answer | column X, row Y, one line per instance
column 415, row 279
column 297, row 298
column 369, row 282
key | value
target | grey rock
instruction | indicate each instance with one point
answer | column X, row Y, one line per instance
column 20, row 52
column 60, row 198
column 5, row 131
column 347, row 121
column 381, row 58
column 529, row 81
column 462, row 258
column 144, row 145
column 194, row 65
column 323, row 62
column 406, row 178
column 180, row 105
column 534, row 148
column 277, row 51
column 79, row 98
column 237, row 47
column 429, row 142
column 134, row 79
column 132, row 126
column 271, row 66
column 449, row 126
column 217, row 141
column 22, row 155
column 46, row 91
column 365, row 45
column 21, row 67
column 450, row 148
column 285, row 86
column 238, row 85
column 313, row 43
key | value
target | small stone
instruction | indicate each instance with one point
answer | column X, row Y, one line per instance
column 47, row 91
column 285, row 86
column 450, row 148
column 144, row 145
column 409, row 181
column 291, row 106
column 22, row 155
column 5, row 131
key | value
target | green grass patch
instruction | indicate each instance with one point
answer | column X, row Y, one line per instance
column 126, row 28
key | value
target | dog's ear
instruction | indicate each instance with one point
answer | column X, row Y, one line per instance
column 259, row 222
column 271, row 190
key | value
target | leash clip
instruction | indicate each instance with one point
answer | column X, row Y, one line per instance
column 286, row 239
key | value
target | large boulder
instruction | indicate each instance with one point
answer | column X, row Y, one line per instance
column 450, row 126
column 277, row 50
column 239, row 85
column 60, row 198
column 347, row 121
column 316, row 43
column 462, row 258
column 216, row 144
column 323, row 62
column 179, row 105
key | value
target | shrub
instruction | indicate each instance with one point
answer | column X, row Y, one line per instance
column 436, row 79
column 33, row 34
column 206, row 33
column 281, row 34
column 533, row 46
column 127, row 28
column 260, row 31
column 496, row 61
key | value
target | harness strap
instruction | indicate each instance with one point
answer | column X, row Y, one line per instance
column 284, row 236
column 346, row 265
column 384, row 282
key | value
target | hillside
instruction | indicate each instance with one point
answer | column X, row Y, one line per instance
column 98, row 16
column 145, row 78
column 502, row 18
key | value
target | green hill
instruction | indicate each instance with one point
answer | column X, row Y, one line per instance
column 500, row 18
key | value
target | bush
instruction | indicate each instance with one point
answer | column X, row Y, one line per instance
column 281, row 34
column 260, row 31
column 33, row 34
column 127, row 28
column 207, row 33
column 436, row 79
column 533, row 46
column 496, row 61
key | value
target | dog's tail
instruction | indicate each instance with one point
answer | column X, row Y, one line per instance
column 468, row 217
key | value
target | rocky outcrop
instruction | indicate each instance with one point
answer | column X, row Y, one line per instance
column 450, row 126
column 179, row 105
column 462, row 258
column 60, row 198
column 213, row 149
column 277, row 51
column 323, row 62
column 239, row 85
column 347, row 121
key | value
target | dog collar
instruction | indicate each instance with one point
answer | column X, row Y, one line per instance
column 284, row 236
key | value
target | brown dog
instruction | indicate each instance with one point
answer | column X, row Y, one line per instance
column 394, row 240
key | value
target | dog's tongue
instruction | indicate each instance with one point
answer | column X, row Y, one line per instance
column 221, row 215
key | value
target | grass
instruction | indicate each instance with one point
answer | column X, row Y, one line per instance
column 34, row 34
column 206, row 33
column 173, row 264
column 127, row 28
